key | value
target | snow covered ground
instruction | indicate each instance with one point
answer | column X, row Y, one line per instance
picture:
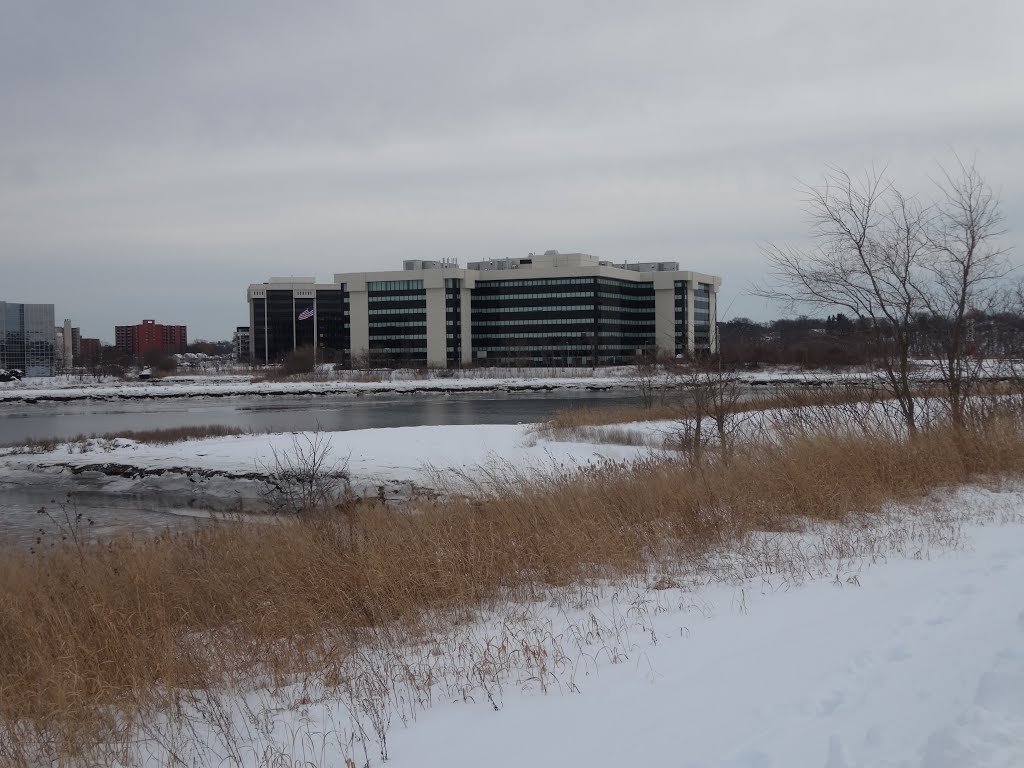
column 918, row 663
column 909, row 655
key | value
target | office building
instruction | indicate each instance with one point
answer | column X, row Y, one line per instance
column 27, row 340
column 546, row 309
column 287, row 313
column 240, row 342
column 137, row 340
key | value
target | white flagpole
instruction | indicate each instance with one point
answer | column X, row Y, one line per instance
column 316, row 339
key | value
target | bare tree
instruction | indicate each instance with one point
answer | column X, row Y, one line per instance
column 964, row 266
column 713, row 413
column 916, row 273
column 646, row 377
column 865, row 258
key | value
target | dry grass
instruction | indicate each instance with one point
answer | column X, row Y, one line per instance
column 95, row 640
column 152, row 436
column 276, row 376
column 677, row 407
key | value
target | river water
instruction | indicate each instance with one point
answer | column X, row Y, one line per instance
column 282, row 413
column 104, row 513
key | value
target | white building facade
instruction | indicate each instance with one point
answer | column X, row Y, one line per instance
column 549, row 309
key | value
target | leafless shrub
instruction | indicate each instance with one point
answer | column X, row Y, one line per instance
column 307, row 477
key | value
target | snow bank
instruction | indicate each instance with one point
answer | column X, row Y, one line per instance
column 422, row 456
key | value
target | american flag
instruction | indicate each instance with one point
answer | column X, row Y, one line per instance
column 306, row 314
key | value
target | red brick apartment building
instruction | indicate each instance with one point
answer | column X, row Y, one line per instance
column 90, row 351
column 137, row 340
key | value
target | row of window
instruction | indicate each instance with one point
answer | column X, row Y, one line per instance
column 538, row 348
column 397, row 324
column 416, row 336
column 558, row 282
column 513, row 297
column 537, row 321
column 550, row 334
column 400, row 311
column 624, row 283
column 522, row 296
column 532, row 335
column 394, row 285
column 649, row 300
column 562, row 308
column 560, row 321
column 405, row 299
column 631, row 348
column 539, row 281
column 478, row 311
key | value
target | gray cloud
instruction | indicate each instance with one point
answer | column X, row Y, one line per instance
column 154, row 160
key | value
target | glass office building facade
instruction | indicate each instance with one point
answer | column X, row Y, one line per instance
column 289, row 315
column 570, row 321
column 27, row 338
column 397, row 323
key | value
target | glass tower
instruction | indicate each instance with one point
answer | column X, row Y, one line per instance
column 27, row 340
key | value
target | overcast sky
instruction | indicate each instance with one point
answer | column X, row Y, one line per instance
column 156, row 158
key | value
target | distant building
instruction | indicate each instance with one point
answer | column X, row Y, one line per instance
column 241, row 342
column 27, row 340
column 565, row 309
column 68, row 348
column 89, row 351
column 137, row 340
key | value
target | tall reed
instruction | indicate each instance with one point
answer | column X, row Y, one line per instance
column 93, row 638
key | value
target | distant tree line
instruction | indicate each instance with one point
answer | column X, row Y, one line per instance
column 838, row 340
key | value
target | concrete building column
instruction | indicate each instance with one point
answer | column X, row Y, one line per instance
column 665, row 320
column 437, row 328
column 359, row 321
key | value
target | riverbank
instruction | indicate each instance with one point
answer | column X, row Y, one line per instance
column 417, row 455
column 107, row 478
column 229, row 474
column 355, row 383
column 234, row 386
